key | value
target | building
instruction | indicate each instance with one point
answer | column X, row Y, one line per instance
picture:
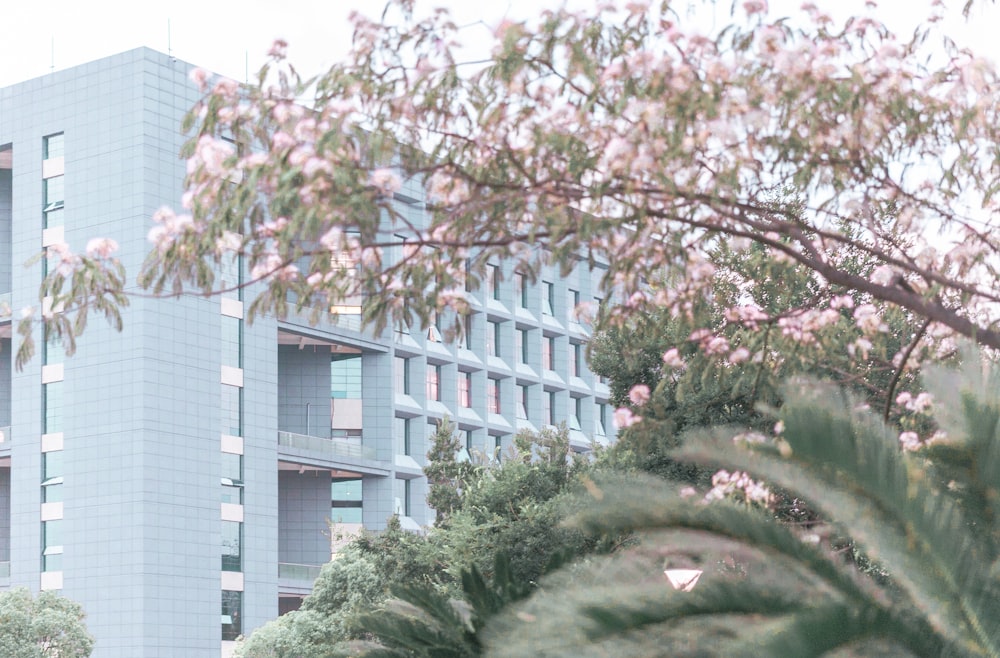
column 192, row 463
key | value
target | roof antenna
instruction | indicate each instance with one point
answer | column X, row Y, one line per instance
column 170, row 49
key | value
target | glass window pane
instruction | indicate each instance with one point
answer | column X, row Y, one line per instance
column 231, row 410
column 232, row 546
column 53, row 146
column 345, row 376
column 232, row 613
column 53, row 407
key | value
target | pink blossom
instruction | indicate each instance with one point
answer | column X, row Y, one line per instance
column 101, row 247
column 842, row 301
column 673, row 359
column 639, row 394
column 210, row 154
column 279, row 49
column 226, row 88
column 739, row 355
column 625, row 418
column 882, row 275
column 386, row 181
column 281, row 142
column 199, row 76
column 909, row 441
column 752, row 7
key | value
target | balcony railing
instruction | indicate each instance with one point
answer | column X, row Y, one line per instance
column 328, row 447
column 347, row 315
column 289, row 571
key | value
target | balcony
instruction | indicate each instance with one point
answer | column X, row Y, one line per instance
column 296, row 579
column 342, row 316
column 288, row 571
column 329, row 448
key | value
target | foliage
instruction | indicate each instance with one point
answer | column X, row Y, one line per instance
column 927, row 515
column 421, row 622
column 733, row 374
column 447, row 476
column 621, row 135
column 502, row 535
column 46, row 626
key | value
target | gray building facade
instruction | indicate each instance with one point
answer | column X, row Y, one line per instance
column 193, row 463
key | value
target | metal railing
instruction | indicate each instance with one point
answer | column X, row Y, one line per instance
column 290, row 571
column 329, row 447
column 348, row 317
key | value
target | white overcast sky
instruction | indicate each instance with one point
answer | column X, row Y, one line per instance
column 222, row 35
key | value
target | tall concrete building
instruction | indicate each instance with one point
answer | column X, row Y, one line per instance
column 192, row 464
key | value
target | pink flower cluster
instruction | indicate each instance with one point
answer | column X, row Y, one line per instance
column 725, row 484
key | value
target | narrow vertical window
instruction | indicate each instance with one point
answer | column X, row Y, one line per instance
column 493, row 396
column 232, row 613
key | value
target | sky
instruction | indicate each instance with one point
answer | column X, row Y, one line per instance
column 231, row 38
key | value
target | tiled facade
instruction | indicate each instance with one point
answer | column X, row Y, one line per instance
column 193, row 462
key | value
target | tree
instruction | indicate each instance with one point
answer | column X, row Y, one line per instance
column 927, row 514
column 46, row 626
column 677, row 375
column 621, row 135
column 503, row 532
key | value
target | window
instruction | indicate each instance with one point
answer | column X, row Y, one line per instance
column 434, row 383
column 345, row 376
column 53, row 351
column 434, row 330
column 232, row 611
column 406, row 497
column 576, row 365
column 493, row 338
column 54, row 197
column 466, row 332
column 602, row 420
column 52, row 545
column 469, row 441
column 345, row 500
column 521, row 345
column 497, row 447
column 232, row 405
column 493, row 396
column 231, row 275
column 522, row 288
column 402, row 431
column 550, row 407
column 232, row 478
column 232, row 532
column 402, row 375
column 549, row 298
column 465, row 389
column 232, row 353
column 574, row 299
column 548, row 353
column 53, row 146
column 493, row 280
column 574, row 419
column 52, row 403
column 52, row 476
column 522, row 402
column 467, row 275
